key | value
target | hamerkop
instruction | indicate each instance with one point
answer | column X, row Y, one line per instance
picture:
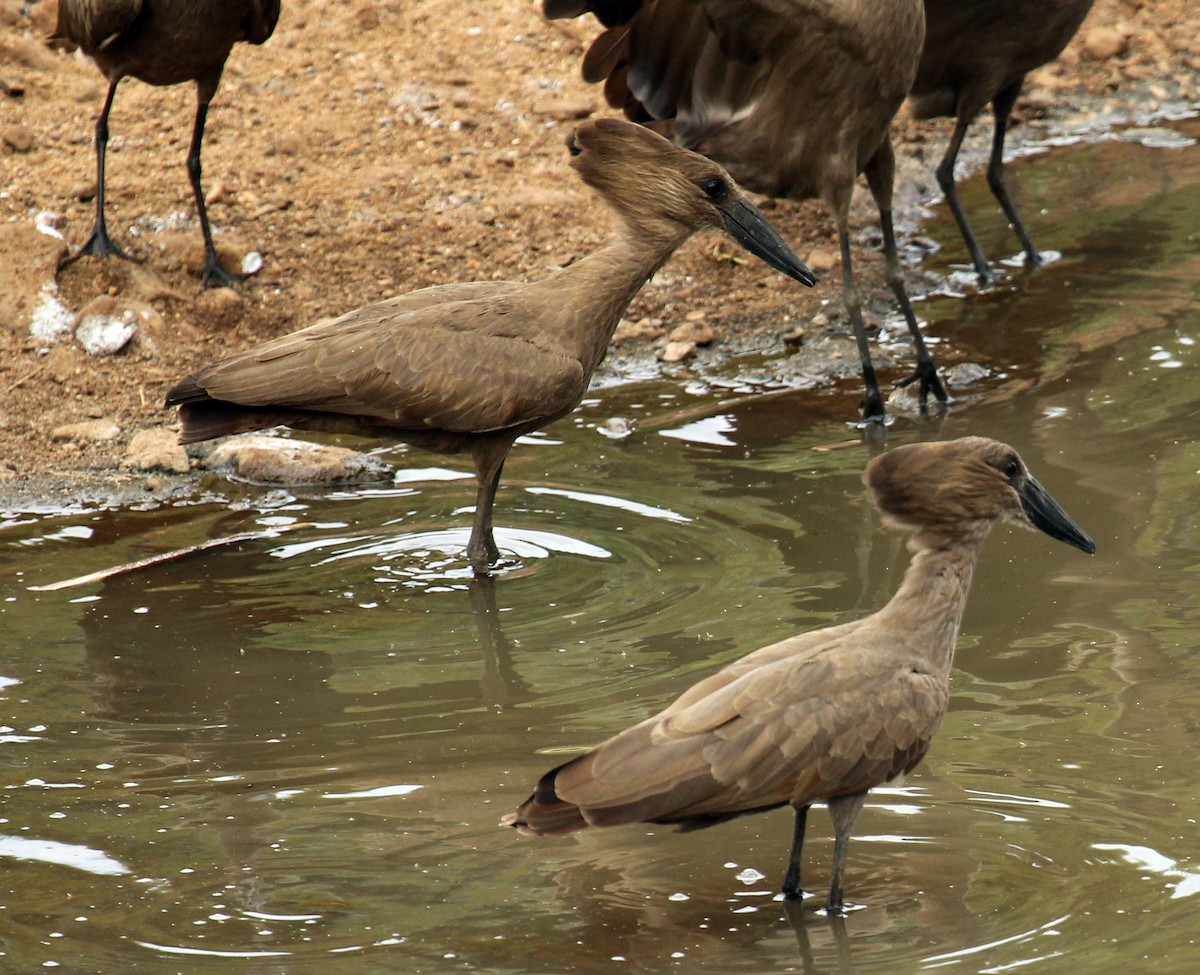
column 471, row 367
column 980, row 52
column 163, row 42
column 823, row 716
column 794, row 98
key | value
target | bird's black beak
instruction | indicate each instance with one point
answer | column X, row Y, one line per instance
column 745, row 223
column 1045, row 514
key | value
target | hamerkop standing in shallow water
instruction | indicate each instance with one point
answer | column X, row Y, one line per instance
column 163, row 42
column 794, row 97
column 471, row 367
column 828, row 715
column 977, row 52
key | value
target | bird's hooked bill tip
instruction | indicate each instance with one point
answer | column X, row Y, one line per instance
column 745, row 223
column 1046, row 515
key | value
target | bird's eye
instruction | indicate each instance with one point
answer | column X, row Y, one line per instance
column 713, row 187
column 1012, row 467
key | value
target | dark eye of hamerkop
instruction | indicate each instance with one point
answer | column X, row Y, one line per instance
column 1012, row 467
column 713, row 188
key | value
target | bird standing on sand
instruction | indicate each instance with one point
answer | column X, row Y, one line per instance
column 978, row 52
column 471, row 367
column 827, row 715
column 794, row 97
column 163, row 42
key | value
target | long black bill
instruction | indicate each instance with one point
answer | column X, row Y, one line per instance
column 1044, row 513
column 746, row 224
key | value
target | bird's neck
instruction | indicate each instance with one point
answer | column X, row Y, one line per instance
column 593, row 293
column 928, row 607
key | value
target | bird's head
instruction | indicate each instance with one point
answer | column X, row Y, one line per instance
column 662, row 190
column 961, row 486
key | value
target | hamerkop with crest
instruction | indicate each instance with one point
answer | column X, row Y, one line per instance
column 471, row 367
column 162, row 42
column 794, row 97
column 978, row 52
column 827, row 715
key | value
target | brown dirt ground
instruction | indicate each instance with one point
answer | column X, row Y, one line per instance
column 369, row 149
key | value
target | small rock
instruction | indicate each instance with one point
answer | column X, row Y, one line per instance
column 229, row 251
column 156, row 450
column 692, row 331
column 105, row 325
column 252, row 263
column 565, row 110
column 1104, row 43
column 794, row 337
column 695, row 315
column 617, row 427
column 216, row 192
column 822, row 259
column 676, row 351
column 99, row 430
column 965, row 373
column 643, row 328
column 221, row 305
column 83, row 191
column 17, row 137
column 280, row 460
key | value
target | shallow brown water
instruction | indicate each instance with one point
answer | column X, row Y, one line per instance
column 291, row 755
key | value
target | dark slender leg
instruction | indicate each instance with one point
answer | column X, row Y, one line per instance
column 872, row 404
column 945, row 178
column 100, row 244
column 1001, row 108
column 880, row 172
column 489, row 457
column 215, row 275
column 844, row 811
column 791, row 879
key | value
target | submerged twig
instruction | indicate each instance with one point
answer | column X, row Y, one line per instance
column 168, row 557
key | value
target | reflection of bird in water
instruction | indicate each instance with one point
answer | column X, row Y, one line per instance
column 978, row 52
column 502, row 684
column 794, row 97
column 163, row 42
column 472, row 367
column 827, row 715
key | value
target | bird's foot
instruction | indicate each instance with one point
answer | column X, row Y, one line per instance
column 98, row 245
column 872, row 410
column 216, row 276
column 930, row 381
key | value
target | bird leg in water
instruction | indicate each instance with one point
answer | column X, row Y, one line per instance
column 100, row 244
column 791, row 879
column 880, row 172
column 489, row 456
column 945, row 178
column 215, row 274
column 844, row 810
column 872, row 405
column 1001, row 107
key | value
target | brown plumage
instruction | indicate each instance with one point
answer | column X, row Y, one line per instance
column 794, row 97
column 827, row 715
column 979, row 51
column 162, row 42
column 471, row 367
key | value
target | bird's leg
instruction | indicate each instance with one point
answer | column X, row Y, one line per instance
column 489, row 457
column 945, row 178
column 872, row 405
column 100, row 244
column 215, row 274
column 880, row 171
column 1001, row 108
column 791, row 879
column 844, row 810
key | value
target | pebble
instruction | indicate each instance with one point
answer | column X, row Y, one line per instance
column 822, row 259
column 17, row 137
column 156, row 449
column 617, row 427
column 699, row 332
column 282, row 460
column 222, row 305
column 1104, row 43
column 794, row 337
column 565, row 110
column 98, row 430
column 643, row 328
column 84, row 191
column 676, row 351
column 216, row 192
column 105, row 325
